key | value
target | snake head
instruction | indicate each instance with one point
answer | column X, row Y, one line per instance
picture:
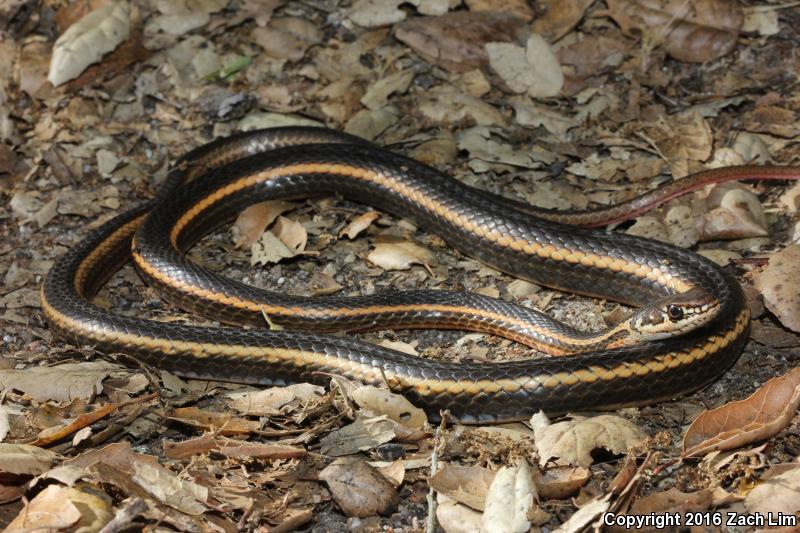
column 673, row 315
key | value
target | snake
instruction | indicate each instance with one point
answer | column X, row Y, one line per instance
column 688, row 327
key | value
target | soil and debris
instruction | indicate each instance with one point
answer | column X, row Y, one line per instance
column 565, row 104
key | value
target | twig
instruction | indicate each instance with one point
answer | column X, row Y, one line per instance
column 438, row 443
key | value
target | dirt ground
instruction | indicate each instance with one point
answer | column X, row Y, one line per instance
column 566, row 105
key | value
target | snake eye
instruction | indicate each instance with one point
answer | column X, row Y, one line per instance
column 675, row 312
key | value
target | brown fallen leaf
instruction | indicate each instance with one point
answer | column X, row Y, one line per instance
column 778, row 284
column 50, row 510
column 25, row 459
column 359, row 224
column 758, row 417
column 454, row 517
column 519, row 8
column 455, row 41
column 275, row 401
column 774, row 336
column 698, row 31
column 252, row 222
column 560, row 16
column 735, row 213
column 162, row 484
column 287, row 37
column 60, row 383
column 395, row 406
column 533, row 69
column 229, row 447
column 222, row 423
column 572, row 441
column 464, row 484
column 291, row 233
column 401, row 255
column 62, row 431
column 363, row 434
column 359, row 489
column 777, row 495
column 560, row 482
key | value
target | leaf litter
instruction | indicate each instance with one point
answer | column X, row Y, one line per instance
column 565, row 104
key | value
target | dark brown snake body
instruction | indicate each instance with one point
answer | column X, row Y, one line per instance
column 212, row 184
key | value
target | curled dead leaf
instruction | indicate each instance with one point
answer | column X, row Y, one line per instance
column 561, row 481
column 757, row 417
column 697, row 31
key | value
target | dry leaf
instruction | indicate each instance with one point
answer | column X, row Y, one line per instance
column 533, row 70
column 778, row 284
column 291, row 233
column 400, row 256
column 698, row 31
column 60, row 383
column 359, row 224
column 376, row 13
column 572, row 441
column 223, row 423
column 229, row 448
column 736, row 214
column 511, row 499
column 276, row 400
column 583, row 517
column 363, row 434
column 25, row 459
column 167, row 488
column 464, row 484
column 779, row 495
column 269, row 249
column 561, row 481
column 287, row 37
column 560, row 17
column 179, row 17
column 456, row 518
column 50, row 510
column 252, row 222
column 377, row 96
column 369, row 123
column 519, row 8
column 456, row 41
column 260, row 10
column 758, row 417
column 395, row 406
column 446, row 104
column 86, row 41
column 359, row 489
